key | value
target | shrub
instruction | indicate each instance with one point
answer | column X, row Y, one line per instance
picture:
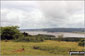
column 26, row 34
column 46, row 37
column 60, row 38
column 30, row 39
column 82, row 42
column 10, row 32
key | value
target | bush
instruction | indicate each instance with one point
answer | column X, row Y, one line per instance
column 26, row 34
column 46, row 37
column 82, row 42
column 30, row 39
column 72, row 39
column 60, row 38
column 10, row 32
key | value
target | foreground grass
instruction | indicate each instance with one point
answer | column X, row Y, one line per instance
column 48, row 47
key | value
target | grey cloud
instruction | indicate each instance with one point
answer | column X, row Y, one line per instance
column 61, row 11
column 43, row 14
column 22, row 5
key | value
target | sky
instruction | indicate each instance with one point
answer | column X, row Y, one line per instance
column 42, row 14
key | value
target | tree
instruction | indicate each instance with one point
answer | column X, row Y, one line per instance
column 10, row 32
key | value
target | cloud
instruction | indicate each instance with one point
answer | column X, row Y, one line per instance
column 64, row 13
column 42, row 14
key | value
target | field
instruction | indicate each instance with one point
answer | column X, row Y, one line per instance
column 47, row 47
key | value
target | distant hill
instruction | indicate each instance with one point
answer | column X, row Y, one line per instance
column 57, row 29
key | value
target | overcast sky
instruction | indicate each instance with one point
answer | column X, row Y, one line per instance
column 42, row 14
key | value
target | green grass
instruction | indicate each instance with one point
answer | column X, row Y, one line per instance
column 47, row 47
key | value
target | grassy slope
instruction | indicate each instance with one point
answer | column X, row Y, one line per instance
column 46, row 48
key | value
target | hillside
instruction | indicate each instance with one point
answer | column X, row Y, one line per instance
column 47, row 47
column 56, row 29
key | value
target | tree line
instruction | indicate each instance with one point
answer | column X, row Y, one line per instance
column 13, row 33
